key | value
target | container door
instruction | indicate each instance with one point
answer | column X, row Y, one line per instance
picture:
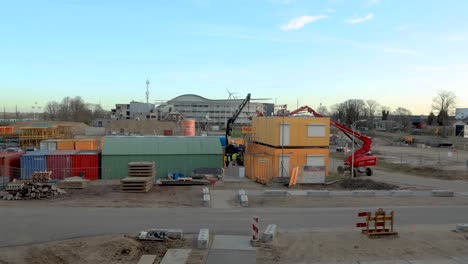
column 283, row 166
column 284, row 134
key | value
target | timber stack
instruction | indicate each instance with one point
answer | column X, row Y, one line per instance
column 140, row 177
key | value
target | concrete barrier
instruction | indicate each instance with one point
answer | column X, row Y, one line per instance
column 244, row 200
column 401, row 193
column 278, row 193
column 205, row 191
column 241, row 192
column 461, row 228
column 147, row 259
column 176, row 256
column 319, row 193
column 203, row 238
column 442, row 193
column 270, row 233
column 365, row 193
column 206, row 200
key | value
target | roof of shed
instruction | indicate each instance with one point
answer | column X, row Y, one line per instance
column 160, row 145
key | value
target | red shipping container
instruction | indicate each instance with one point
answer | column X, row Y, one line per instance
column 87, row 164
column 60, row 163
column 10, row 164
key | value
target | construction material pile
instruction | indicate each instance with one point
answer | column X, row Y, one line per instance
column 41, row 176
column 31, row 190
column 141, row 177
column 72, row 183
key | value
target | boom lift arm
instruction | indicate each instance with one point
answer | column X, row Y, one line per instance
column 362, row 156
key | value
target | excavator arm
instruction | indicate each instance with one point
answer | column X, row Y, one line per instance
column 231, row 120
column 362, row 156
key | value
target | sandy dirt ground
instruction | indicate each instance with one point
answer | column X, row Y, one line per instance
column 314, row 247
column 102, row 249
column 286, row 248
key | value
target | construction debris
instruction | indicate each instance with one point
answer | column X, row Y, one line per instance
column 72, row 183
column 367, row 184
column 160, row 234
column 28, row 191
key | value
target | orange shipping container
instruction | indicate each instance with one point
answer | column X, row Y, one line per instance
column 268, row 162
column 86, row 144
column 294, row 132
column 66, row 144
column 7, row 130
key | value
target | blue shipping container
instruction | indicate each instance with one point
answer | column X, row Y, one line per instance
column 33, row 161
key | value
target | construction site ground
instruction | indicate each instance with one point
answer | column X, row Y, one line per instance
column 414, row 243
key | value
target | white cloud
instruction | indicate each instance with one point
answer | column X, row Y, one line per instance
column 284, row 2
column 455, row 37
column 300, row 22
column 444, row 68
column 373, row 2
column 329, row 10
column 360, row 19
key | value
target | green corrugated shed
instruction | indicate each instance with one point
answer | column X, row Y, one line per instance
column 171, row 154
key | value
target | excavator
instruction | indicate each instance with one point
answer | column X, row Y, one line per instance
column 363, row 159
column 230, row 148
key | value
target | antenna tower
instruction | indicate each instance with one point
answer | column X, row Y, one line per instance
column 147, row 90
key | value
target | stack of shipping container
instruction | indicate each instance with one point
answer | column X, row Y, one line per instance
column 278, row 144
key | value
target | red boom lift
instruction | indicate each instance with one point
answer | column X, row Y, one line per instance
column 363, row 159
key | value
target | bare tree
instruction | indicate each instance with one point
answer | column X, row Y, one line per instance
column 323, row 110
column 51, row 111
column 403, row 117
column 373, row 106
column 444, row 103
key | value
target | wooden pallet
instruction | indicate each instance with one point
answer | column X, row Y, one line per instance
column 136, row 184
column 141, row 169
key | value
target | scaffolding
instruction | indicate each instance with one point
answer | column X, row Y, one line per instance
column 30, row 137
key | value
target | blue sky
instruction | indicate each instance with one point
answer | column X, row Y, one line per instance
column 397, row 52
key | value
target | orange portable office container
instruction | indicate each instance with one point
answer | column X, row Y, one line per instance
column 267, row 162
column 279, row 131
column 66, row 144
column 86, row 144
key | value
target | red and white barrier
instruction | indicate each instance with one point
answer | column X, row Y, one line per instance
column 255, row 228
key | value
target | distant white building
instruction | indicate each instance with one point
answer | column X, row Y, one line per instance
column 461, row 113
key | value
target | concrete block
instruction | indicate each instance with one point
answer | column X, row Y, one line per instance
column 401, row 193
column 461, row 228
column 319, row 193
column 365, row 193
column 241, row 192
column 147, row 259
column 442, row 193
column 203, row 238
column 206, row 200
column 176, row 256
column 174, row 233
column 278, row 193
column 205, row 191
column 244, row 200
column 270, row 233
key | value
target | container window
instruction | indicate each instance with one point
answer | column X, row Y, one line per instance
column 315, row 130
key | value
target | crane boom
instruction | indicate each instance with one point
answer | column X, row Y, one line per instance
column 362, row 156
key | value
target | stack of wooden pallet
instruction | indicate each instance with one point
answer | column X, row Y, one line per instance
column 41, row 176
column 141, row 177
